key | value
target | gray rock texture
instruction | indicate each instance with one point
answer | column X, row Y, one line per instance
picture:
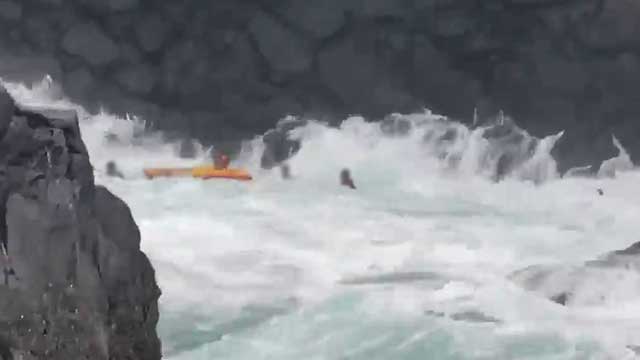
column 234, row 68
column 75, row 284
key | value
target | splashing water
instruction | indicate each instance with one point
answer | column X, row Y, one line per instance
column 417, row 263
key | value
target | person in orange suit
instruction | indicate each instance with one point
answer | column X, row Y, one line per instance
column 220, row 161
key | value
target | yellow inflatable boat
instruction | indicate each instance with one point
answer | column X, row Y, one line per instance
column 201, row 172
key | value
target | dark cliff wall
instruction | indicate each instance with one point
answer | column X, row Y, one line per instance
column 221, row 69
column 73, row 281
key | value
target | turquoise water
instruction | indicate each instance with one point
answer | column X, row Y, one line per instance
column 415, row 264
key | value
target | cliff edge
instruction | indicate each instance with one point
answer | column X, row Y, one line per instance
column 74, row 283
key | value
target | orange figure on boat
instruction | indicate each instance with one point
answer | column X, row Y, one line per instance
column 218, row 170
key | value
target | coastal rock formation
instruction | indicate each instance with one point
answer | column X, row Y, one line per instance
column 234, row 68
column 611, row 277
column 74, row 284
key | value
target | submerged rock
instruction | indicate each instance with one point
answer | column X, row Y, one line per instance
column 592, row 282
column 474, row 317
column 76, row 284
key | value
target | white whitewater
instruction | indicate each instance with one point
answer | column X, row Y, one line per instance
column 414, row 264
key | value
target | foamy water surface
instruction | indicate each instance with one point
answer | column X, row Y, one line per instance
column 414, row 264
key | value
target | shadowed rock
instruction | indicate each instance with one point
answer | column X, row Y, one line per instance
column 278, row 147
column 283, row 50
column 551, row 65
column 91, row 43
column 77, row 285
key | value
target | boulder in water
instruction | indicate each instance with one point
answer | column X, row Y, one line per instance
column 278, row 147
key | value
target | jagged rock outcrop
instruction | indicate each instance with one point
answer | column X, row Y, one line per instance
column 607, row 278
column 278, row 145
column 75, row 284
column 235, row 67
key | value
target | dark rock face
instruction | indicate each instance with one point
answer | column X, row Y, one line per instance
column 10, row 10
column 551, row 65
column 90, row 43
column 75, row 284
column 284, row 51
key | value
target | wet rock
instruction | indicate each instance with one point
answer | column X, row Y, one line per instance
column 151, row 32
column 115, row 220
column 284, row 50
column 28, row 69
column 10, row 10
column 123, row 5
column 591, row 282
column 106, row 7
column 322, row 18
column 88, row 41
column 138, row 79
column 558, row 74
column 353, row 84
column 78, row 82
column 6, row 110
column 634, row 348
column 443, row 89
column 551, row 65
column 5, row 351
column 393, row 277
column 454, row 24
column 474, row 317
column 614, row 27
column 510, row 145
column 382, row 8
column 76, row 275
column 278, row 145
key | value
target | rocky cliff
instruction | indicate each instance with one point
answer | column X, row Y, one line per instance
column 227, row 68
column 74, row 283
